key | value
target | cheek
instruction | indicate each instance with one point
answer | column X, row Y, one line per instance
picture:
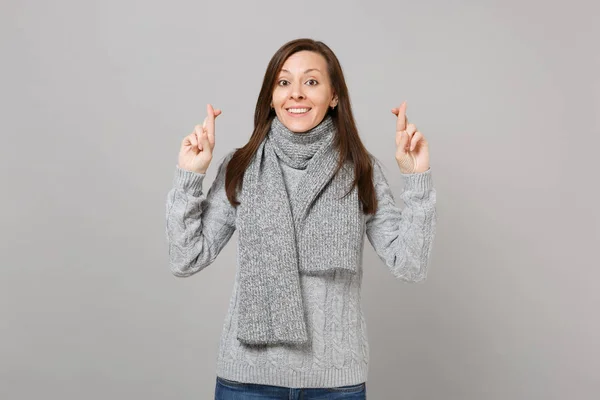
column 279, row 97
column 322, row 99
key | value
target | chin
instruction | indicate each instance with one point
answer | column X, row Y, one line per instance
column 299, row 125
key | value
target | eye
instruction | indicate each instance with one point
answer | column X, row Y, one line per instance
column 312, row 80
column 282, row 80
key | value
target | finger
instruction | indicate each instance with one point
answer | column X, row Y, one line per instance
column 210, row 119
column 401, row 121
column 402, row 141
column 190, row 141
column 415, row 140
column 410, row 130
column 198, row 131
column 210, row 124
column 395, row 112
column 204, row 141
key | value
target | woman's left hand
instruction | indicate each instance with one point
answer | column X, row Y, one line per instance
column 412, row 149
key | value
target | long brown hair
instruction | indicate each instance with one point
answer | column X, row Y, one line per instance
column 347, row 140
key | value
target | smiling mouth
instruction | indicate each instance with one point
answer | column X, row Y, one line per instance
column 298, row 110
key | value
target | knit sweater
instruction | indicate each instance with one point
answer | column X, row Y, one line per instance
column 199, row 225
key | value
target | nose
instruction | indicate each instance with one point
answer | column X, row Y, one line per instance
column 297, row 92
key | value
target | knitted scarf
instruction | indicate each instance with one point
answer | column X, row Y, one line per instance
column 314, row 229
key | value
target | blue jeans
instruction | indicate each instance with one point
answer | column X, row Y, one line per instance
column 233, row 390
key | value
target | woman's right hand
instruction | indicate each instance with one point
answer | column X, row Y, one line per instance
column 196, row 148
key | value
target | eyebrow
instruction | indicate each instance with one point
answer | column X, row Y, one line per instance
column 306, row 72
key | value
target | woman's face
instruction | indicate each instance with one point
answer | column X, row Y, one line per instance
column 303, row 92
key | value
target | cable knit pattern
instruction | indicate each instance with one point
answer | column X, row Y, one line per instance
column 199, row 225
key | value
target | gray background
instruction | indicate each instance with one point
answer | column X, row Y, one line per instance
column 96, row 97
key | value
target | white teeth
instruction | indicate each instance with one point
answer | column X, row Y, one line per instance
column 298, row 110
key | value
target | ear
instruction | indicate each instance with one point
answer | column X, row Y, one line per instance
column 334, row 101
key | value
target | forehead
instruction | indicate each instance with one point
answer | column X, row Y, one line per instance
column 301, row 61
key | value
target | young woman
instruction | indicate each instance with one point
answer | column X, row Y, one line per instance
column 302, row 194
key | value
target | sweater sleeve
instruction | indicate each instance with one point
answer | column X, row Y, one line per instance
column 403, row 239
column 198, row 226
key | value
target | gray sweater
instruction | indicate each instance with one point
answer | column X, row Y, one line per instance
column 199, row 225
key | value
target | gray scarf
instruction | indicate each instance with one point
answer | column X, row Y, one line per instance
column 314, row 229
